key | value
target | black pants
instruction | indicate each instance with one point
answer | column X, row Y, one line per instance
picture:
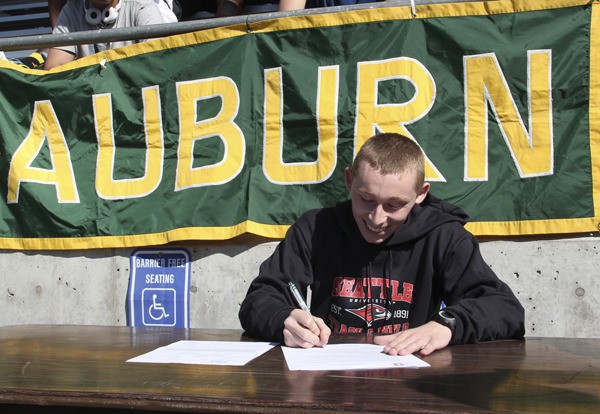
column 190, row 7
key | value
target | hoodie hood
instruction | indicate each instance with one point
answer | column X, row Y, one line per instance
column 424, row 217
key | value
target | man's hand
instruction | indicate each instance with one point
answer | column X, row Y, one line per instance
column 425, row 339
column 302, row 330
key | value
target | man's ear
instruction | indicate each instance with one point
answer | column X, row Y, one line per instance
column 423, row 193
column 348, row 178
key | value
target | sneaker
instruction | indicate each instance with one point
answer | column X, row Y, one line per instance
column 33, row 61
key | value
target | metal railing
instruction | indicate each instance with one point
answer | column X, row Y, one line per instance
column 169, row 29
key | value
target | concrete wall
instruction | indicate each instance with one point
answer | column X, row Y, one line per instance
column 556, row 280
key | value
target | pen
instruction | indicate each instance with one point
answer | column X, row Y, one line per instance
column 299, row 299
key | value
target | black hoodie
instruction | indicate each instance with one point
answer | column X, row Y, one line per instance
column 383, row 288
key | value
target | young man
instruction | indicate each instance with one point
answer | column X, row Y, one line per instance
column 288, row 5
column 383, row 263
column 86, row 15
column 166, row 7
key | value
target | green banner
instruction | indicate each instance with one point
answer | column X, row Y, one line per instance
column 240, row 129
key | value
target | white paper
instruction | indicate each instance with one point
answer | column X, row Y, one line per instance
column 347, row 356
column 206, row 352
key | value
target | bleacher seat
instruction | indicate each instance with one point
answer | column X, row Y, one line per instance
column 23, row 18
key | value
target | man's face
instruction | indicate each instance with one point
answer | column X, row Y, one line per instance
column 381, row 203
column 102, row 4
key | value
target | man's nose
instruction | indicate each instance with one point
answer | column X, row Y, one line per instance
column 378, row 215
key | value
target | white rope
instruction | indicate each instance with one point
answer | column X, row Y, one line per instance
column 413, row 8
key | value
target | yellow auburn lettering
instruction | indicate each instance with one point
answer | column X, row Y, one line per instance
column 44, row 129
column 372, row 117
column 189, row 95
column 532, row 152
column 106, row 186
column 485, row 87
column 275, row 169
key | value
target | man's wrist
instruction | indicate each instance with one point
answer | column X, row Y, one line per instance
column 446, row 319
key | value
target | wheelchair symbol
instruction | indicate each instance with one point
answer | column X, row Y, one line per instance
column 157, row 308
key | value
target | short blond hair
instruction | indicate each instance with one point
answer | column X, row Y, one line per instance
column 392, row 154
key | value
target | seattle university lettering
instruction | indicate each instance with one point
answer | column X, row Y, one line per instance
column 361, row 288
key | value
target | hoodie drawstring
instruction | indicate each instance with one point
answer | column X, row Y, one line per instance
column 369, row 298
column 386, row 290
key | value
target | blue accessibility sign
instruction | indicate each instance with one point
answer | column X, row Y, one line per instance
column 159, row 288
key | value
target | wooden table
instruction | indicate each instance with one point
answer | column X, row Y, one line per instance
column 57, row 368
